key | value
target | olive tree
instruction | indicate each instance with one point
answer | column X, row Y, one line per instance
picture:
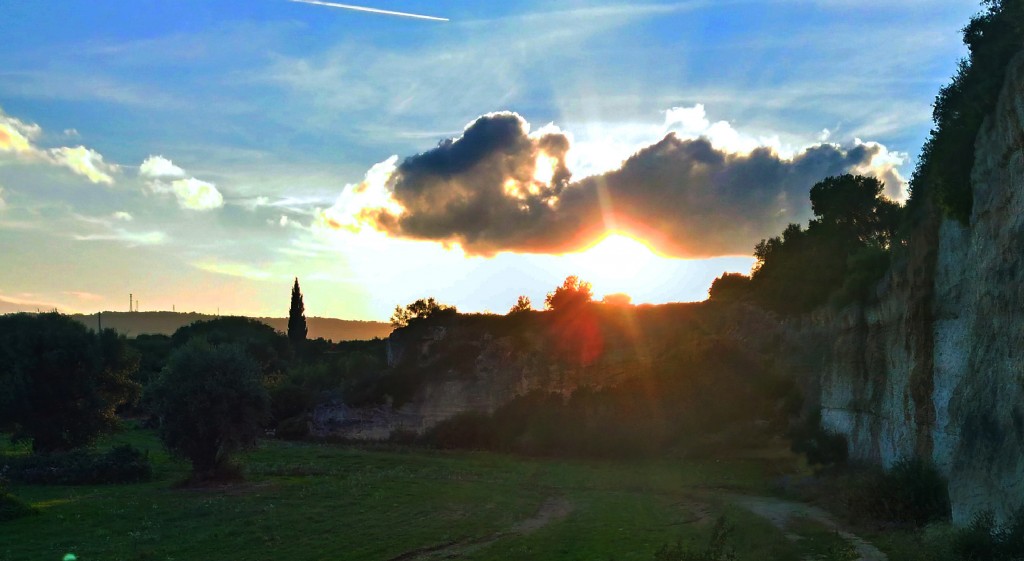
column 209, row 403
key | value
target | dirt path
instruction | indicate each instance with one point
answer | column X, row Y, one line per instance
column 780, row 512
column 551, row 510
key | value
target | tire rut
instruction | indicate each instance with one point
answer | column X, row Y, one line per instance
column 779, row 512
column 551, row 510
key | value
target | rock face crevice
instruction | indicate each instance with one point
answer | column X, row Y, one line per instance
column 935, row 367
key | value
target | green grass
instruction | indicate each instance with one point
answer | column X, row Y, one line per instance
column 318, row 501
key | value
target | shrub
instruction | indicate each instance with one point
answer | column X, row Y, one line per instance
column 288, row 401
column 294, row 428
column 121, row 464
column 821, row 447
column 468, row 430
column 911, row 493
column 985, row 539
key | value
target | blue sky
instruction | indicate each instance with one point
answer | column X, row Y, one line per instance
column 272, row 110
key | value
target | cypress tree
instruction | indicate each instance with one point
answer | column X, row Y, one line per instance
column 297, row 317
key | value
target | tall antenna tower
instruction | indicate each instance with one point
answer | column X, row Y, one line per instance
column 131, row 306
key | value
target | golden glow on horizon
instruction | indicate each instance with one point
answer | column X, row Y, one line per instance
column 616, row 263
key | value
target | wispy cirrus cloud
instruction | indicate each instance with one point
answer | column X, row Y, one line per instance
column 233, row 269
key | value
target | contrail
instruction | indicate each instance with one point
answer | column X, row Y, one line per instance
column 371, row 10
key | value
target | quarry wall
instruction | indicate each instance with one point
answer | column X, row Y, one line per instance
column 936, row 366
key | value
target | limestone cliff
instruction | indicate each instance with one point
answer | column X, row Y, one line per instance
column 936, row 366
column 478, row 363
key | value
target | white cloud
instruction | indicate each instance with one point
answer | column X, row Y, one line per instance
column 3, row 203
column 16, row 137
column 372, row 192
column 885, row 166
column 159, row 167
column 123, row 216
column 192, row 193
column 84, row 161
column 196, row 194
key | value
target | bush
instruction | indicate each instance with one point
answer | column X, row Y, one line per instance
column 821, row 447
column 469, row 430
column 985, row 539
column 121, row 464
column 294, row 428
column 912, row 493
column 288, row 401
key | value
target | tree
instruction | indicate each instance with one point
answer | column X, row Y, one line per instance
column 522, row 304
column 209, row 404
column 730, row 287
column 620, row 299
column 420, row 309
column 62, row 383
column 263, row 343
column 572, row 293
column 297, row 317
column 855, row 207
column 841, row 254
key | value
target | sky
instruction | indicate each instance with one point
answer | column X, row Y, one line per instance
column 201, row 155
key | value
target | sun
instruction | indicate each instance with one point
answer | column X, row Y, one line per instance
column 616, row 263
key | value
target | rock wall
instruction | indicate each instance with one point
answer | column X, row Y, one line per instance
column 936, row 366
column 478, row 363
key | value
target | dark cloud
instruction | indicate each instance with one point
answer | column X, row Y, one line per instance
column 685, row 197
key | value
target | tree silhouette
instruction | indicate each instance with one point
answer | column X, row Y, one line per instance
column 209, row 403
column 62, row 383
column 523, row 304
column 297, row 317
column 730, row 287
column 420, row 309
column 573, row 292
column 620, row 299
column 840, row 255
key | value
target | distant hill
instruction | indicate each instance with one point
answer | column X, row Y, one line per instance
column 166, row 323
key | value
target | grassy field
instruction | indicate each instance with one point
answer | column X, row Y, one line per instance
column 315, row 502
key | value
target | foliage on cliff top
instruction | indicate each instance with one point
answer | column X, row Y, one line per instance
column 944, row 169
column 840, row 255
column 419, row 310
